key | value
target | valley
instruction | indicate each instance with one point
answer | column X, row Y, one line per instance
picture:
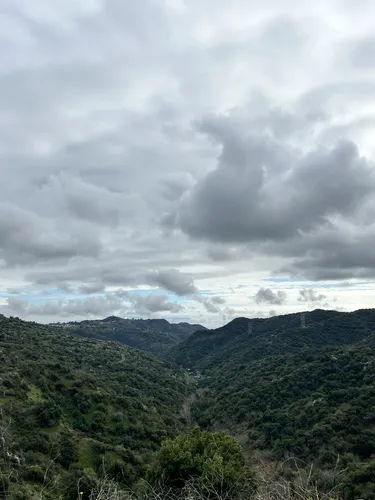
column 83, row 407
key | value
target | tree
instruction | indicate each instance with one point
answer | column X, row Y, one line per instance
column 48, row 414
column 214, row 462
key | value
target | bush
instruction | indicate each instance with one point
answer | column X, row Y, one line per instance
column 48, row 414
column 213, row 461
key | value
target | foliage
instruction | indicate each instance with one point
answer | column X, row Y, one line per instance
column 214, row 461
column 243, row 340
column 81, row 414
column 79, row 402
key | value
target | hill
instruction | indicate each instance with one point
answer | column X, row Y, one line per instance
column 244, row 340
column 152, row 335
column 317, row 406
column 69, row 403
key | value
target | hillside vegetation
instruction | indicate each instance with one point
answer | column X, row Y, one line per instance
column 243, row 340
column 75, row 410
column 70, row 403
column 307, row 393
column 152, row 335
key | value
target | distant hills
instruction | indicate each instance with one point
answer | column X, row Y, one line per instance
column 244, row 340
column 152, row 335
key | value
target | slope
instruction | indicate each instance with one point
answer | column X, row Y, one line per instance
column 245, row 340
column 67, row 402
column 152, row 335
column 317, row 405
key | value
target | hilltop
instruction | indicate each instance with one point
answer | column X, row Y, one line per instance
column 152, row 335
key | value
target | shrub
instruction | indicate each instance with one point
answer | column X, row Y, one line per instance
column 213, row 461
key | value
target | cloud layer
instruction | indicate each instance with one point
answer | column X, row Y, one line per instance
column 183, row 148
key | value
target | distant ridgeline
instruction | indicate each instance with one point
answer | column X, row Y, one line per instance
column 152, row 335
column 245, row 340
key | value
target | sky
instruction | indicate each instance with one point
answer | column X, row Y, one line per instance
column 191, row 160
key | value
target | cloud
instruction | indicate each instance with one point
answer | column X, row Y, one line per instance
column 175, row 281
column 154, row 303
column 262, row 190
column 123, row 303
column 267, row 296
column 210, row 304
column 309, row 295
column 95, row 287
column 185, row 146
column 362, row 52
column 27, row 238
column 282, row 200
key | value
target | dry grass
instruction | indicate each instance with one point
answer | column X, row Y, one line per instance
column 301, row 489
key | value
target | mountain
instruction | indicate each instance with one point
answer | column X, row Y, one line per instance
column 152, row 335
column 292, row 387
column 316, row 406
column 70, row 403
column 244, row 340
column 75, row 409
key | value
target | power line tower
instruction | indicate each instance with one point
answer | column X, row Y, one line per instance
column 303, row 320
column 250, row 328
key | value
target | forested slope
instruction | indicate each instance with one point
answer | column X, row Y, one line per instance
column 152, row 335
column 68, row 403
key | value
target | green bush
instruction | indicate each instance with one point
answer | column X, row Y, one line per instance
column 213, row 461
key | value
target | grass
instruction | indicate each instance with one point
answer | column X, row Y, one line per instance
column 35, row 395
column 86, row 454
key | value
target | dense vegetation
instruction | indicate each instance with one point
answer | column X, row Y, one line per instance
column 74, row 404
column 243, row 340
column 75, row 410
column 214, row 461
column 152, row 335
column 292, row 392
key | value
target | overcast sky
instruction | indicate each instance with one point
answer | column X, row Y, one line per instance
column 187, row 159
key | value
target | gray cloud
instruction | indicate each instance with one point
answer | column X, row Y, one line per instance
column 262, row 190
column 154, row 303
column 282, row 201
column 123, row 303
column 175, row 281
column 310, row 295
column 95, row 287
column 218, row 300
column 210, row 303
column 27, row 238
column 267, row 296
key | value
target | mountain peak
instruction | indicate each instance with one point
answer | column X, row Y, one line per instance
column 112, row 318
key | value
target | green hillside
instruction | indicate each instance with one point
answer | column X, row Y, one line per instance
column 317, row 405
column 152, row 335
column 293, row 391
column 244, row 340
column 74, row 409
column 68, row 403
